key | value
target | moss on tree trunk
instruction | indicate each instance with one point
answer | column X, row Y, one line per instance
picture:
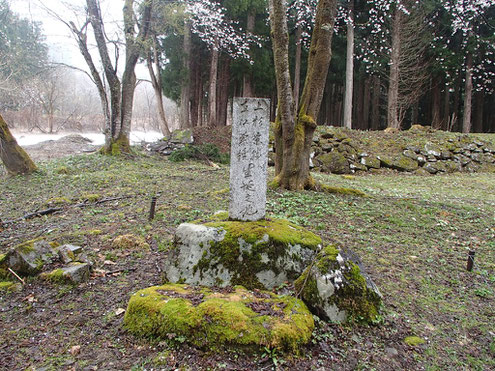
column 294, row 133
column 15, row 159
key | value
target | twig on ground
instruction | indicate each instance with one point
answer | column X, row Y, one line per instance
column 16, row 276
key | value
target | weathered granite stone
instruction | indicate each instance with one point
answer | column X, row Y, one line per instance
column 371, row 162
column 249, row 158
column 403, row 163
column 29, row 257
column 385, row 161
column 432, row 149
column 356, row 166
column 336, row 287
column 431, row 168
column 182, row 136
column 74, row 273
column 259, row 254
column 334, row 162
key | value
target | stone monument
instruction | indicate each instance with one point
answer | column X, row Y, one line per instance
column 249, row 158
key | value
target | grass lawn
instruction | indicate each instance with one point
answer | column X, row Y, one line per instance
column 412, row 233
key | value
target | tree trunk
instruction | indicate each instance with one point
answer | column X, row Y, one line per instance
column 121, row 94
column 349, row 68
column 366, row 104
column 375, row 104
column 185, row 92
column 247, row 79
column 468, row 95
column 297, row 68
column 393, row 88
column 212, row 91
column 446, row 108
column 15, row 159
column 293, row 138
column 435, row 110
column 223, row 91
column 479, row 99
column 157, row 87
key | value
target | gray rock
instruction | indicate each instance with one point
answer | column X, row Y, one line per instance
column 391, row 352
column 403, row 163
column 432, row 150
column 334, row 162
column 446, row 155
column 411, row 154
column 330, row 289
column 77, row 272
column 463, row 160
column 471, row 167
column 421, row 160
column 356, row 166
column 371, row 162
column 30, row 257
column 414, row 149
column 385, row 161
column 477, row 157
column 182, row 136
column 212, row 255
column 327, row 147
column 74, row 273
column 470, row 147
column 430, row 167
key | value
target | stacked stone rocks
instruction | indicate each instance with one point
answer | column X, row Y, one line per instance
column 334, row 152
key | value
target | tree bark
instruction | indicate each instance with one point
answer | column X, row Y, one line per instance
column 297, row 68
column 375, row 104
column 393, row 88
column 435, row 110
column 223, row 91
column 185, row 92
column 446, row 108
column 468, row 95
column 366, row 104
column 479, row 99
column 247, row 79
column 157, row 86
column 15, row 159
column 349, row 67
column 293, row 138
column 212, row 91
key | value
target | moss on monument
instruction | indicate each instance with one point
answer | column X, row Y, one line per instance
column 216, row 319
column 252, row 247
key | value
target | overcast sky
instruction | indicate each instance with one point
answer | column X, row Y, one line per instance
column 63, row 47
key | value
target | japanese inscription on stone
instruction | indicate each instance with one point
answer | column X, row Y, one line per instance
column 249, row 157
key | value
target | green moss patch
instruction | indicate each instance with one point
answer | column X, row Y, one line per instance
column 336, row 289
column 232, row 317
column 129, row 241
column 414, row 341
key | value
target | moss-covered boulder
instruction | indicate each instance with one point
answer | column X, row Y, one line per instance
column 75, row 273
column 214, row 319
column 334, row 162
column 29, row 257
column 260, row 254
column 404, row 163
column 182, row 136
column 336, row 288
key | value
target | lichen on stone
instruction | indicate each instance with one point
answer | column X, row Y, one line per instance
column 261, row 254
column 335, row 288
column 215, row 319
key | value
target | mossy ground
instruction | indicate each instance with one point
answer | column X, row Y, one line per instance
column 219, row 319
column 411, row 232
